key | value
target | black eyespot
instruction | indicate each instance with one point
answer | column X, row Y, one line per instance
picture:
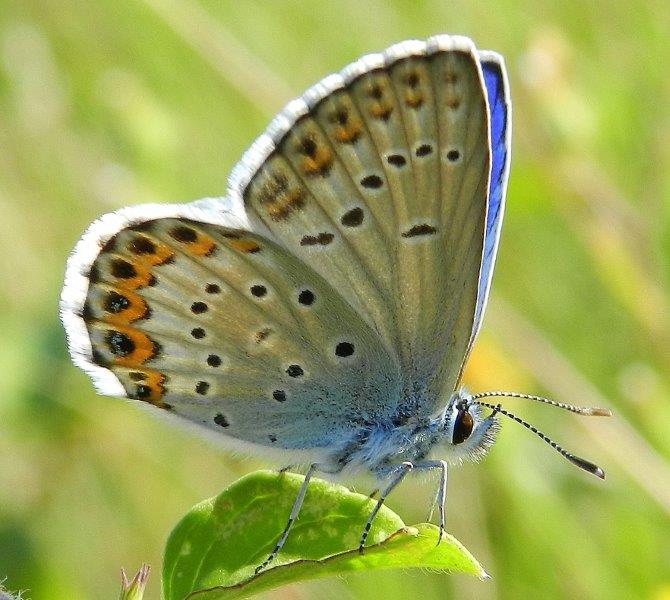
column 322, row 239
column 396, row 160
column 142, row 391
column 308, row 147
column 198, row 333
column 353, row 218
column 184, row 234
column 214, row 360
column 295, row 371
column 412, row 80
column 463, row 427
column 424, row 150
column 279, row 395
column 201, row 387
column 198, row 308
column 122, row 269
column 344, row 349
column 306, row 297
column 453, row 155
column 141, row 245
column 221, row 420
column 212, row 288
column 115, row 303
column 372, row 181
column 120, row 344
column 259, row 290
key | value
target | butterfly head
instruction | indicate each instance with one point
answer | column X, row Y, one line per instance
column 467, row 428
column 470, row 431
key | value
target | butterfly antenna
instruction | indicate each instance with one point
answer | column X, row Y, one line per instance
column 575, row 460
column 586, row 411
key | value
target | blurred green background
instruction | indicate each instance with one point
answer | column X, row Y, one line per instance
column 116, row 102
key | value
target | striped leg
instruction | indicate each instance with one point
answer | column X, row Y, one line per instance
column 297, row 504
column 397, row 476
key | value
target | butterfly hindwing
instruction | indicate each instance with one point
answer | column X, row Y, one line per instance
column 223, row 327
column 378, row 178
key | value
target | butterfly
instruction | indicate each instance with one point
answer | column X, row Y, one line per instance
column 322, row 312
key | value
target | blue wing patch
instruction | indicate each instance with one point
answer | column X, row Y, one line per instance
column 499, row 105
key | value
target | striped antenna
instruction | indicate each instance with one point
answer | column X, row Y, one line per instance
column 586, row 411
column 575, row 460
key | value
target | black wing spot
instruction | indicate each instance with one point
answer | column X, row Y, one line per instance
column 423, row 229
column 198, row 308
column 424, row 150
column 353, row 218
column 342, row 116
column 184, row 234
column 295, row 371
column 115, row 302
column 122, row 269
column 87, row 312
column 141, row 245
column 137, row 375
column 198, row 333
column 214, row 360
column 396, row 160
column 376, row 92
column 258, row 290
column 344, row 349
column 412, row 80
column 372, row 181
column 142, row 391
column 308, row 147
column 221, row 420
column 94, row 274
column 202, row 387
column 322, row 239
column 98, row 358
column 453, row 155
column 306, row 297
column 119, row 343
column 272, row 437
column 279, row 395
column 212, row 288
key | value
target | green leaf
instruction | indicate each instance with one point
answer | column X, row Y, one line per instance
column 213, row 551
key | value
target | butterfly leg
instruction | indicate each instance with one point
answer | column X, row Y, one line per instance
column 397, row 475
column 295, row 510
column 441, row 495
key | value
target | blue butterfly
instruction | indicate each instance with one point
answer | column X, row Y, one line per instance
column 323, row 311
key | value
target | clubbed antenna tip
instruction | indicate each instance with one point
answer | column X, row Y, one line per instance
column 587, row 466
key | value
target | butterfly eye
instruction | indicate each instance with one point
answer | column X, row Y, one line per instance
column 462, row 427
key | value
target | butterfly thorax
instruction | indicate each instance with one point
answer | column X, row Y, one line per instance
column 379, row 446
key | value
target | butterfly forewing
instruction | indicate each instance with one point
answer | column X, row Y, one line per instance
column 380, row 183
column 500, row 116
column 216, row 324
